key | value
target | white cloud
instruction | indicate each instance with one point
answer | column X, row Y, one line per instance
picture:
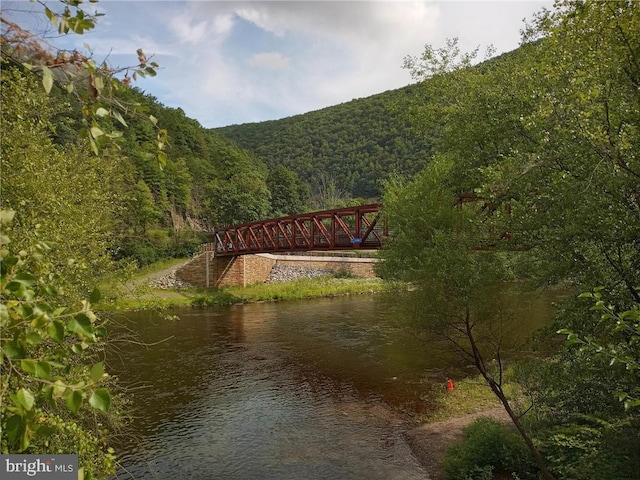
column 237, row 61
column 188, row 31
column 270, row 61
column 351, row 49
column 223, row 24
column 261, row 18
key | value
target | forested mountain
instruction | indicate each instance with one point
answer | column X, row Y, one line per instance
column 209, row 178
column 351, row 147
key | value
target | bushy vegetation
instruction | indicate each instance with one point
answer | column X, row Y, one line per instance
column 488, row 448
column 54, row 395
column 593, row 447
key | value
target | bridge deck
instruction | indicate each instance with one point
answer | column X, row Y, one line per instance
column 350, row 228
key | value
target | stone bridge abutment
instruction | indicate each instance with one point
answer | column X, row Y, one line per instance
column 207, row 270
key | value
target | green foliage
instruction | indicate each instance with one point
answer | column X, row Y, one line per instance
column 52, row 392
column 117, row 205
column 207, row 180
column 615, row 339
column 559, row 145
column 242, row 198
column 589, row 447
column 357, row 144
column 215, row 297
column 558, row 148
column 434, row 62
column 433, row 245
column 488, row 448
column 63, row 193
column 289, row 195
column 560, row 386
column 92, row 86
column 143, row 211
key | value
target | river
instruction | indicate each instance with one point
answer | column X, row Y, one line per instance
column 315, row 389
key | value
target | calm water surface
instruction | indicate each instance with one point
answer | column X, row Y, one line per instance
column 316, row 389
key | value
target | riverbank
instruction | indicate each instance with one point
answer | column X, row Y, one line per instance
column 159, row 288
column 471, row 399
column 430, row 441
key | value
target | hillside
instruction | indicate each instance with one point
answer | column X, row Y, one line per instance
column 137, row 208
column 355, row 145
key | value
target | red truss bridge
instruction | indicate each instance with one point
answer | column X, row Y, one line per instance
column 350, row 228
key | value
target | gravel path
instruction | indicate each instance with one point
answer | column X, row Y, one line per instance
column 164, row 278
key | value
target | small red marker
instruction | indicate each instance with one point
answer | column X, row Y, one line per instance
column 450, row 384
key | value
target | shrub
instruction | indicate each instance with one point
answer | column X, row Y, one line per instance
column 589, row 447
column 488, row 447
column 184, row 243
column 343, row 273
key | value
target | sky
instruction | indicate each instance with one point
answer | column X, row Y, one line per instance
column 233, row 62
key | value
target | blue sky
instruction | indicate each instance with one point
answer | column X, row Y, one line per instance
column 246, row 61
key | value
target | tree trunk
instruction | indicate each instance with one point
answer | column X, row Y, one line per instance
column 497, row 390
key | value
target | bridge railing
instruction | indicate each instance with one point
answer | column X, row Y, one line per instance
column 351, row 228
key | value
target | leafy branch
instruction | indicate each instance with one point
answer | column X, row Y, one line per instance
column 94, row 85
column 619, row 342
column 46, row 350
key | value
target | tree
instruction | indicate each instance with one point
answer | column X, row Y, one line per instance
column 557, row 146
column 434, row 246
column 327, row 193
column 558, row 143
column 585, row 215
column 617, row 342
column 242, row 198
column 289, row 195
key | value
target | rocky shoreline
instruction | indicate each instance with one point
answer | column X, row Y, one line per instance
column 286, row 273
column 169, row 281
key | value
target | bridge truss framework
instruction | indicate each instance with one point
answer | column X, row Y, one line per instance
column 350, row 228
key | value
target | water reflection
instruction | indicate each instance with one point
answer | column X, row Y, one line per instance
column 312, row 389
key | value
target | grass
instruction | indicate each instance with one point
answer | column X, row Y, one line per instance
column 143, row 297
column 470, row 395
column 306, row 288
column 131, row 280
column 152, row 299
